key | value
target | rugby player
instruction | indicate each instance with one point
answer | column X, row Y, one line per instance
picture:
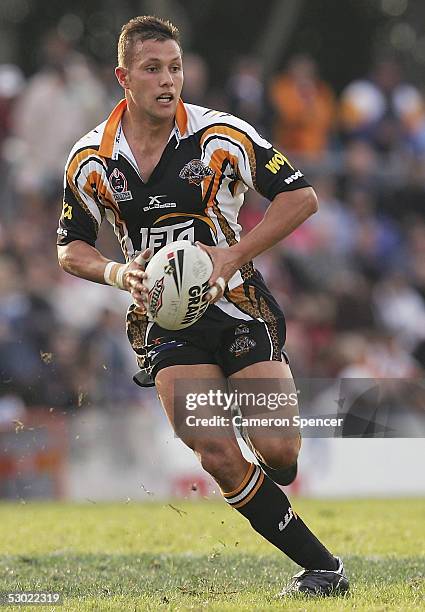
column 161, row 170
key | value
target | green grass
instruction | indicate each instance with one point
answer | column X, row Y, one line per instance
column 202, row 555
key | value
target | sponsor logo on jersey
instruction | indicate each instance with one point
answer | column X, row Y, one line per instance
column 67, row 211
column 293, row 177
column 118, row 183
column 155, row 202
column 277, row 161
column 156, row 237
column 242, row 345
column 197, row 304
column 195, row 172
column 155, row 296
column 286, row 519
column 62, row 231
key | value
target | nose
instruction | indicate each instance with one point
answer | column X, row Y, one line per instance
column 166, row 78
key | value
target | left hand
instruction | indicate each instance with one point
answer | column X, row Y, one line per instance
column 133, row 279
column 225, row 264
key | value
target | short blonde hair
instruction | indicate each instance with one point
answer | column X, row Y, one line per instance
column 146, row 27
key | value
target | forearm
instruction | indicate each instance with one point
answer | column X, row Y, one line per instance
column 286, row 212
column 83, row 260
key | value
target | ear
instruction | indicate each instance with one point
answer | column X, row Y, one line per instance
column 122, row 76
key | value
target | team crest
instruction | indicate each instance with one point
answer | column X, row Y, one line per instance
column 242, row 345
column 118, row 182
column 195, row 172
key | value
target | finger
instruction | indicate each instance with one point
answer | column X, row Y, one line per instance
column 143, row 258
column 147, row 254
column 212, row 294
column 139, row 287
column 204, row 247
column 216, row 290
column 219, row 285
column 139, row 298
column 220, row 282
column 138, row 275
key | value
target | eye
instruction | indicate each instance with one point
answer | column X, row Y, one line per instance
column 176, row 68
column 151, row 68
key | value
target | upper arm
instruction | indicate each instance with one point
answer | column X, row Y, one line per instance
column 304, row 198
column 82, row 210
column 66, row 252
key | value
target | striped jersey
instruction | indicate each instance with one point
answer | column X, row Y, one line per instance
column 195, row 192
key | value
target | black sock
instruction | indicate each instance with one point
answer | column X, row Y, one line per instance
column 268, row 510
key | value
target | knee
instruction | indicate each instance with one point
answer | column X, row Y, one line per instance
column 218, row 458
column 282, row 454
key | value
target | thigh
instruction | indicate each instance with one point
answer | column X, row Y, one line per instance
column 197, row 423
column 164, row 348
column 268, row 404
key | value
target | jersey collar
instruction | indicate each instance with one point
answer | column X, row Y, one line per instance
column 111, row 134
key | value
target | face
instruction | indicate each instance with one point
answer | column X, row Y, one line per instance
column 154, row 79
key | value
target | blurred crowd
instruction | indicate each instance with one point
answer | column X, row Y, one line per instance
column 351, row 280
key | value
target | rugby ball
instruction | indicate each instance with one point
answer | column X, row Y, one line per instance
column 177, row 280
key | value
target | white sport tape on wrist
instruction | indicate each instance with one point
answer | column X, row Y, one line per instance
column 114, row 273
column 120, row 276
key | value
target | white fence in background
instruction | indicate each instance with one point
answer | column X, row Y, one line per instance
column 133, row 455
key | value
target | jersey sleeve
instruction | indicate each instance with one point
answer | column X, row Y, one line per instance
column 273, row 173
column 256, row 162
column 82, row 211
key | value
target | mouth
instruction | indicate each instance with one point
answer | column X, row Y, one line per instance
column 165, row 99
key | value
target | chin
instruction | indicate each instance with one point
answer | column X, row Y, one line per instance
column 165, row 113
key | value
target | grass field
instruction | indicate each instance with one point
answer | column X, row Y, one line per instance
column 203, row 555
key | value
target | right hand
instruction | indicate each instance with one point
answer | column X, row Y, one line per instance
column 133, row 278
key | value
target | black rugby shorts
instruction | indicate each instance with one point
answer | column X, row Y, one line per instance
column 218, row 338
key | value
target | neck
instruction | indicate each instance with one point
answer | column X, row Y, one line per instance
column 143, row 129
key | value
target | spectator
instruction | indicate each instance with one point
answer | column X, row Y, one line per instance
column 356, row 268
column 415, row 255
column 60, row 103
column 248, row 96
column 384, row 110
column 11, row 84
column 360, row 169
column 305, row 109
column 401, row 309
column 108, row 360
column 196, row 79
column 406, row 199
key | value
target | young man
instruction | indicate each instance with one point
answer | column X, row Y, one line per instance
column 161, row 170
